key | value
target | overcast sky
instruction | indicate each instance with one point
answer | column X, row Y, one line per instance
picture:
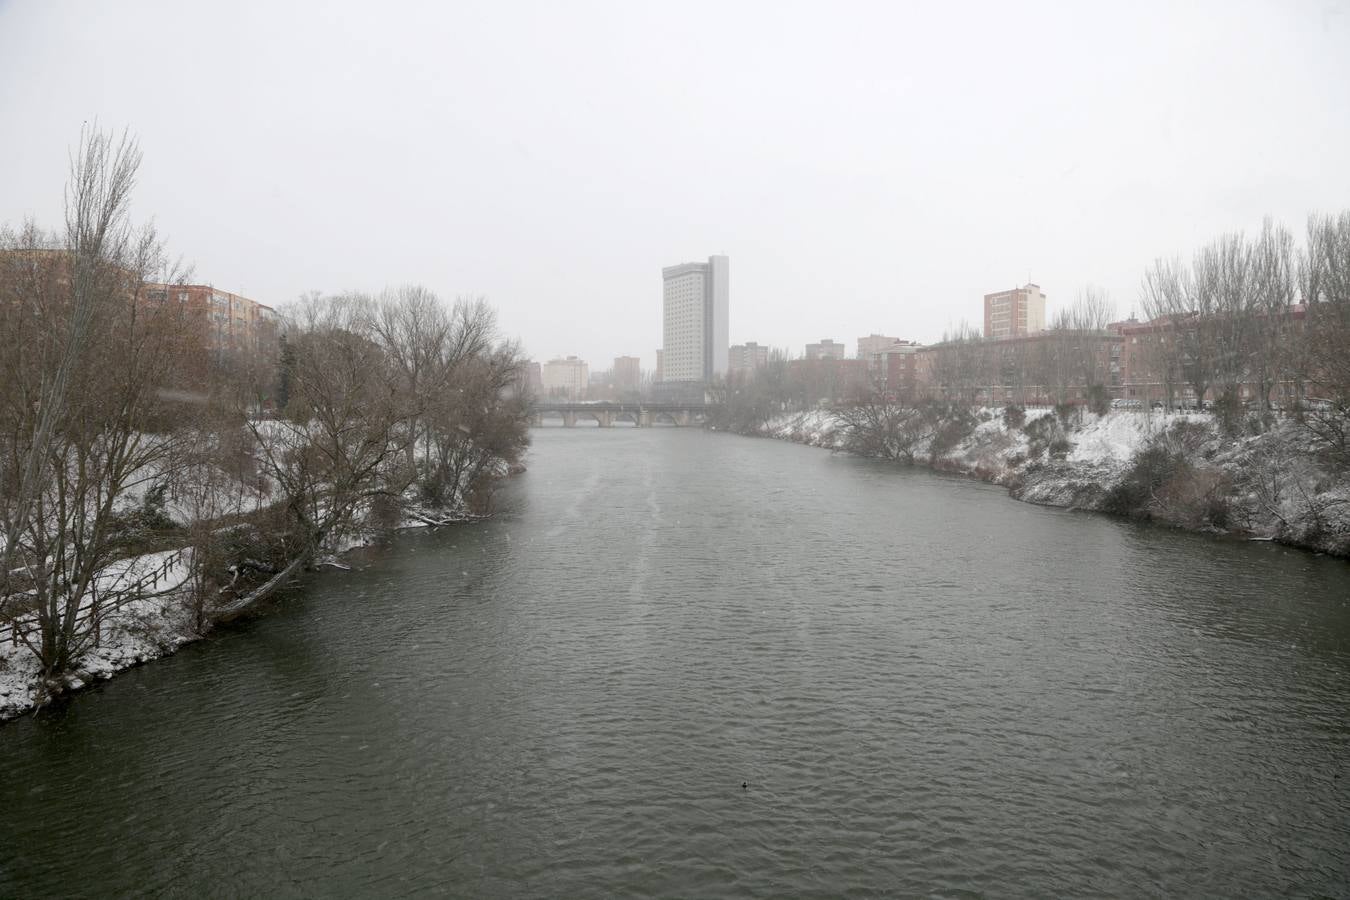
column 867, row 167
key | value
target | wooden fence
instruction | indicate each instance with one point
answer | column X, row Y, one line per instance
column 93, row 610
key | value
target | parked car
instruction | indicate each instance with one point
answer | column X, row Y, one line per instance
column 1126, row 403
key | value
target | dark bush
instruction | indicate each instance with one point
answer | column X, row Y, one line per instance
column 1014, row 416
column 1217, row 511
column 1228, row 410
column 958, row 424
column 385, row 511
column 1186, row 438
column 1153, row 467
column 1041, row 432
column 144, row 528
column 1060, row 447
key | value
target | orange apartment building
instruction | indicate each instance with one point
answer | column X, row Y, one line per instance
column 235, row 324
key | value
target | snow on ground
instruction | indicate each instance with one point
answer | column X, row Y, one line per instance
column 1118, row 435
column 1270, row 484
column 815, row 427
column 140, row 630
column 157, row 572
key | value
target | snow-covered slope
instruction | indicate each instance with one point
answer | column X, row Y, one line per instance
column 1270, row 484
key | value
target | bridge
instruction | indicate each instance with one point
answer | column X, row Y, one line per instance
column 640, row 413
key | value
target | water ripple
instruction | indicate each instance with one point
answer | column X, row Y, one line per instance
column 927, row 688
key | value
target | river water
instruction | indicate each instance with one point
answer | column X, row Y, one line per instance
column 928, row 688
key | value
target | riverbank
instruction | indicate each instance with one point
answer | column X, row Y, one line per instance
column 146, row 628
column 926, row 686
column 153, row 626
column 1174, row 468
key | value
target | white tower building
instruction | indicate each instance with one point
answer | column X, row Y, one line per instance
column 695, row 302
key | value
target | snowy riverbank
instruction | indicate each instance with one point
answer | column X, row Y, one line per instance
column 151, row 627
column 1176, row 468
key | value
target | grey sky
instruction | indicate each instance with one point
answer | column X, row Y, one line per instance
column 867, row 167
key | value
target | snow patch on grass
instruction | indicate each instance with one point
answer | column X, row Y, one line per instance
column 140, row 630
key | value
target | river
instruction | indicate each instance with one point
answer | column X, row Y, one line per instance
column 925, row 686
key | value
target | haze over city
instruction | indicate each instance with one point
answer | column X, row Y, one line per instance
column 866, row 168
column 760, row 449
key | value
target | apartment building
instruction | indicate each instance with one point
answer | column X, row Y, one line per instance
column 744, row 359
column 566, row 378
column 826, row 349
column 1014, row 313
column 695, row 301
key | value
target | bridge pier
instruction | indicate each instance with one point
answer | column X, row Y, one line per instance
column 569, row 419
column 605, row 418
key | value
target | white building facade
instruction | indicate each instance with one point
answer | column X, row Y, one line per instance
column 566, row 379
column 695, row 301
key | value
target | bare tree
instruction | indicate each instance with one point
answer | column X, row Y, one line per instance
column 337, row 446
column 50, row 324
column 877, row 426
column 477, row 420
column 1273, row 274
column 1324, row 280
column 413, row 328
column 962, row 367
column 88, row 410
column 1180, row 307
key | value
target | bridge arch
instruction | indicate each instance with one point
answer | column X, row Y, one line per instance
column 600, row 417
column 605, row 414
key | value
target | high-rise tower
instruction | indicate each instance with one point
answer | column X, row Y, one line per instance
column 695, row 299
column 1014, row 313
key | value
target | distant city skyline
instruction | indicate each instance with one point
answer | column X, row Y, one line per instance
column 876, row 168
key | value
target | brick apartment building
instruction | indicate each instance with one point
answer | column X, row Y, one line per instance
column 1153, row 368
column 895, row 368
column 234, row 324
column 231, row 323
column 1034, row 369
